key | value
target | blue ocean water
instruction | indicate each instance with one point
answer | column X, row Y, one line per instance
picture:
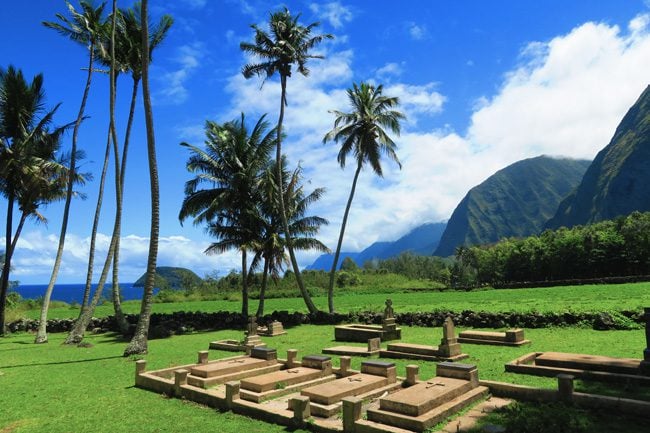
column 74, row 292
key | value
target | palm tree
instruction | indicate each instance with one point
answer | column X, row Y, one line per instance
column 288, row 43
column 226, row 189
column 83, row 27
column 270, row 247
column 138, row 344
column 27, row 155
column 361, row 134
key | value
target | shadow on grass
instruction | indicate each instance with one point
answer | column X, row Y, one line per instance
column 630, row 390
column 39, row 364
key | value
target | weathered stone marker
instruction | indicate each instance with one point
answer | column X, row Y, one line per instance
column 645, row 364
column 252, row 339
column 388, row 322
column 449, row 345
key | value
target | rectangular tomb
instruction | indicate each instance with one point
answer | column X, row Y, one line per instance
column 221, row 368
column 422, row 397
column 588, row 362
column 280, row 379
column 351, row 386
column 362, row 333
column 511, row 337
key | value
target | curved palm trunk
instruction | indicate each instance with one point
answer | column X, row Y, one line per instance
column 93, row 236
column 244, row 284
column 41, row 334
column 19, row 230
column 283, row 213
column 138, row 344
column 330, row 288
column 265, row 274
column 122, row 323
column 4, row 283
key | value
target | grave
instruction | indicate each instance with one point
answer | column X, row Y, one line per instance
column 375, row 378
column 372, row 348
column 511, row 337
column 357, row 332
column 252, row 339
column 591, row 367
column 448, row 350
column 314, row 369
column 425, row 403
column 273, row 329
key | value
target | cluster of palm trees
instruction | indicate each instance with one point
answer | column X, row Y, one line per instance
column 235, row 195
column 123, row 42
column 247, row 200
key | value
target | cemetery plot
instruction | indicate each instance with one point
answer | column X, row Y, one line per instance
column 356, row 332
column 511, row 337
column 372, row 349
column 582, row 366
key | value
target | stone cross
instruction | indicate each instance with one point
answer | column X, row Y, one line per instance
column 388, row 311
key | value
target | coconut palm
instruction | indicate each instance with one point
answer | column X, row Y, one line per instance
column 361, row 134
column 84, row 27
column 226, row 189
column 271, row 245
column 27, row 155
column 289, row 43
column 138, row 344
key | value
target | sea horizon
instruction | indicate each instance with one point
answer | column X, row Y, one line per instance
column 71, row 293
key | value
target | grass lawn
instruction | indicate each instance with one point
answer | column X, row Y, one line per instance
column 588, row 298
column 52, row 388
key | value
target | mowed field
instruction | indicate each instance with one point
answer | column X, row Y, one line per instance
column 587, row 298
column 55, row 388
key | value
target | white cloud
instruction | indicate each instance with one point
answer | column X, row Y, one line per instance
column 34, row 257
column 417, row 32
column 174, row 90
column 390, row 70
column 334, row 13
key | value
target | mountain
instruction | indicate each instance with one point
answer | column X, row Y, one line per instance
column 168, row 277
column 422, row 240
column 618, row 180
column 515, row 201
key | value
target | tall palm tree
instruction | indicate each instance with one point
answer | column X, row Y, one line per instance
column 271, row 245
column 288, row 43
column 27, row 154
column 226, row 189
column 138, row 344
column 129, row 57
column 361, row 134
column 85, row 28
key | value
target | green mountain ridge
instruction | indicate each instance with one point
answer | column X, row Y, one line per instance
column 168, row 277
column 618, row 181
column 515, row 201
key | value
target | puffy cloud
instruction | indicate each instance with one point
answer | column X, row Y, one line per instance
column 390, row 70
column 173, row 89
column 417, row 32
column 334, row 13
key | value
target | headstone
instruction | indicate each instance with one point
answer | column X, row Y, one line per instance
column 388, row 322
column 252, row 339
column 412, row 374
column 374, row 344
column 645, row 364
column 449, row 345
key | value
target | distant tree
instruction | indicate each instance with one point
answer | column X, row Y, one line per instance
column 288, row 43
column 361, row 133
column 349, row 265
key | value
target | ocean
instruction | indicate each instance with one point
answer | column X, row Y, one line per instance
column 74, row 292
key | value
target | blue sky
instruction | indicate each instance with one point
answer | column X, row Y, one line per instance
column 483, row 84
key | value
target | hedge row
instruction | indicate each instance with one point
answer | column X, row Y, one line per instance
column 164, row 325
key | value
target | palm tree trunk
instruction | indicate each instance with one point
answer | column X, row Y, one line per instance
column 244, row 284
column 265, row 274
column 122, row 323
column 138, row 344
column 93, row 236
column 330, row 288
column 283, row 213
column 41, row 334
column 19, row 229
column 4, row 282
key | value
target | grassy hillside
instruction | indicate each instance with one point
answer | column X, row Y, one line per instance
column 516, row 201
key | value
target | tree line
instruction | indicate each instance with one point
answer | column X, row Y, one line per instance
column 613, row 248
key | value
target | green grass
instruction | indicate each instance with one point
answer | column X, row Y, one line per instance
column 55, row 388
column 552, row 299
